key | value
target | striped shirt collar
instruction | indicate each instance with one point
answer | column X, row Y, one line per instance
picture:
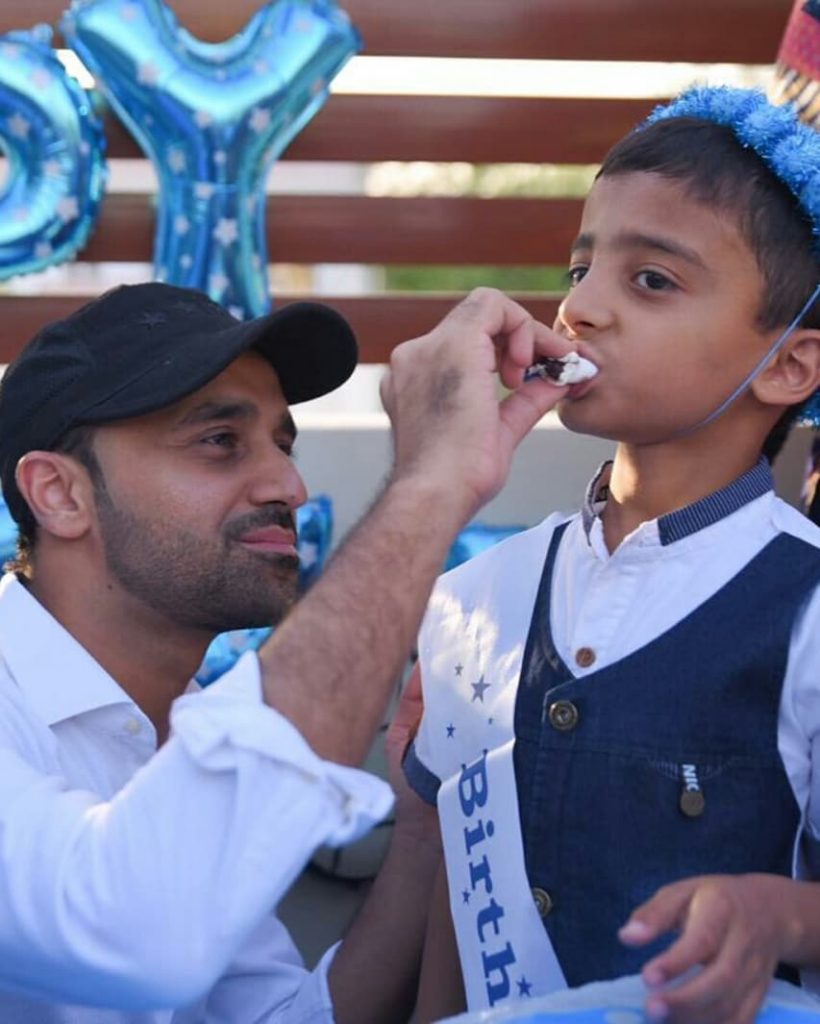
column 683, row 522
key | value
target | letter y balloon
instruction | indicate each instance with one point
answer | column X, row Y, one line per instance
column 213, row 117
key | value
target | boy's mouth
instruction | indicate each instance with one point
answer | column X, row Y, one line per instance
column 576, row 391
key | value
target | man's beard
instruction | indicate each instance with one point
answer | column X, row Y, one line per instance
column 215, row 585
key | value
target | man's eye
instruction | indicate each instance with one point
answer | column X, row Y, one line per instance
column 222, row 439
column 286, row 447
column 575, row 274
column 653, row 281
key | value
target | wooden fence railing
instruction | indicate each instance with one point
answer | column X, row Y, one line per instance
column 366, row 129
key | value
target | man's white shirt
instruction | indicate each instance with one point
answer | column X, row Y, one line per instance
column 134, row 877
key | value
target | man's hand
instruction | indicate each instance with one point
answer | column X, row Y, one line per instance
column 442, row 395
column 330, row 665
column 736, row 927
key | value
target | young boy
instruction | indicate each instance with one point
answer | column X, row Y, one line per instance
column 630, row 697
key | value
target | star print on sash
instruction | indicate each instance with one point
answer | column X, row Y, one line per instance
column 450, row 731
column 479, row 689
column 459, row 669
column 465, row 895
column 524, row 987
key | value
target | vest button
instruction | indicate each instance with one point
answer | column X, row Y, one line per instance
column 584, row 657
column 563, row 715
column 543, row 901
column 692, row 802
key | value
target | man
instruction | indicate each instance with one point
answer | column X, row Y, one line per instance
column 145, row 451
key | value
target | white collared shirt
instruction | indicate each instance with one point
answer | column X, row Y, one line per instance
column 604, row 606
column 135, row 878
column 614, row 604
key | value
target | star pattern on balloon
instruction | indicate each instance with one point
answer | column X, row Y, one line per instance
column 308, row 553
column 229, row 108
column 41, row 78
column 147, row 73
column 176, row 161
column 68, row 208
column 226, row 231
column 19, row 126
column 259, row 120
column 217, row 284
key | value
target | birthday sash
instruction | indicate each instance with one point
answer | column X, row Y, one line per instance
column 471, row 649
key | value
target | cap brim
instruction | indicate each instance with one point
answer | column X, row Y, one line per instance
column 311, row 347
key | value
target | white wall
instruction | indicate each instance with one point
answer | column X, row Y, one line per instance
column 348, row 458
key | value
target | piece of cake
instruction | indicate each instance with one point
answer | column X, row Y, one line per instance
column 569, row 369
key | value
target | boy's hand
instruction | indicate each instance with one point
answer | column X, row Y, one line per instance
column 736, row 927
column 416, row 820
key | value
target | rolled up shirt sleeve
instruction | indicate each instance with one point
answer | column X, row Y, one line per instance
column 145, row 900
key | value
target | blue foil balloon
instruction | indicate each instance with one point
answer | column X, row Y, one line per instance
column 213, row 117
column 56, row 151
column 8, row 533
column 315, row 525
column 476, row 538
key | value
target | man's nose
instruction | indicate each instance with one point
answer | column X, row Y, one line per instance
column 276, row 479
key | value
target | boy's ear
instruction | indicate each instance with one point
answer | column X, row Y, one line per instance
column 58, row 491
column 794, row 373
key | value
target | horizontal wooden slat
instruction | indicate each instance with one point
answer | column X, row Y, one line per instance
column 362, row 229
column 366, row 129
column 380, row 322
column 746, row 31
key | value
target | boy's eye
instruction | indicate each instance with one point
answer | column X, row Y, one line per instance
column 653, row 281
column 576, row 274
column 286, row 447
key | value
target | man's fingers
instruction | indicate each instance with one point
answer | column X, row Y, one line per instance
column 663, row 912
column 492, row 311
column 531, row 341
column 522, row 409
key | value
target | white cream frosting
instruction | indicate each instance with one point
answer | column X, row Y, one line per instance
column 575, row 369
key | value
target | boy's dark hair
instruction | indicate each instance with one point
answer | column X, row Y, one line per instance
column 715, row 169
column 77, row 442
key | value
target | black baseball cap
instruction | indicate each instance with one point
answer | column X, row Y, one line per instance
column 139, row 348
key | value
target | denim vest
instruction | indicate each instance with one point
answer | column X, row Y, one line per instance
column 660, row 766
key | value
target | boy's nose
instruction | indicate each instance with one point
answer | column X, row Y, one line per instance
column 584, row 308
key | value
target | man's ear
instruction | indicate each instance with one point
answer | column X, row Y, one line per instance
column 58, row 491
column 794, row 373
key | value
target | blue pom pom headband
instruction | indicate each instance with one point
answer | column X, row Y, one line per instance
column 789, row 148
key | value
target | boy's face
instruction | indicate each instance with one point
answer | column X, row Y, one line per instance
column 663, row 296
